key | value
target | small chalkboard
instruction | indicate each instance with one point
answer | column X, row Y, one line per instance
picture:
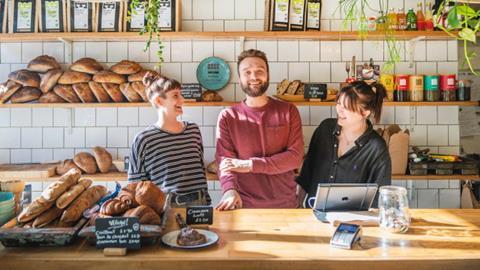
column 192, row 91
column 315, row 91
column 118, row 232
column 199, row 215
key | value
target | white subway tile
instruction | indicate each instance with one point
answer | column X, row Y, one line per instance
column 106, row 117
column 4, row 71
column 452, row 47
column 95, row 137
column 63, row 153
column 132, row 132
column 187, row 9
column 239, row 94
column 436, row 50
column 42, row 155
column 454, row 184
column 399, row 183
column 36, row 186
column 202, row 9
column 4, row 117
column 172, row 70
column 320, row 72
column 405, row 68
column 20, row 117
column 11, row 52
column 147, row 116
column 373, row 49
column 31, row 50
column 426, row 67
column 278, row 72
column 127, row 116
column 10, row 138
column 427, row 198
column 62, row 117
column 84, row 117
column 20, row 156
column 192, row 26
column 426, row 115
column 247, row 45
column 418, row 136
column 213, row 26
column 31, row 137
column 232, row 26
column 453, row 135
column 418, row 184
column 243, row 9
column 288, row 51
column 96, row 50
column 42, row 117
column 307, row 134
column 79, row 50
column 193, row 114
column 189, row 72
column 309, row 51
column 438, row 135
column 74, row 137
column 329, row 10
column 450, row 198
column 447, row 67
column 55, row 50
column 202, row 50
column 402, row 115
column 210, row 115
column 207, row 136
column 122, row 153
column 254, row 25
column 448, row 115
column 269, row 48
column 181, row 51
column 325, row 25
column 330, row 51
column 432, row 184
column 224, row 9
column 304, row 114
column 228, row 92
column 233, row 72
column 338, row 72
column 413, row 198
column 166, row 52
column 318, row 114
column 419, row 51
column 338, row 25
column 299, row 71
column 136, row 51
column 52, row 137
column 388, row 115
column 224, row 50
column 117, row 51
column 351, row 48
column 117, row 137
column 449, row 150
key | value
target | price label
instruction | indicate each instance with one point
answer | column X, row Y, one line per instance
column 199, row 215
column 192, row 91
column 315, row 91
column 118, row 232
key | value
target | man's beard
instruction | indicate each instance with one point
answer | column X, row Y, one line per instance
column 255, row 92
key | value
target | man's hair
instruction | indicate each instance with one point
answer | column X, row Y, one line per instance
column 252, row 53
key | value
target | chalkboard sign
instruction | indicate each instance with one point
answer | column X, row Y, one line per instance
column 118, row 232
column 199, row 215
column 315, row 91
column 192, row 91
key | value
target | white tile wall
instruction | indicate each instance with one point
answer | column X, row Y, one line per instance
column 95, row 137
column 42, row 117
column 127, row 116
column 202, row 9
column 224, row 9
column 202, row 50
column 4, row 117
column 31, row 137
column 52, row 137
column 21, row 117
column 21, row 155
column 84, row 117
column 288, row 51
column 74, row 137
column 31, row 50
column 309, row 51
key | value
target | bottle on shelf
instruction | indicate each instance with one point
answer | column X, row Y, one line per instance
column 401, row 20
column 392, row 20
column 428, row 17
column 411, row 20
column 420, row 17
column 381, row 22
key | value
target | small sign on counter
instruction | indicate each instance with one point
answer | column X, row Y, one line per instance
column 192, row 91
column 315, row 91
column 199, row 215
column 118, row 232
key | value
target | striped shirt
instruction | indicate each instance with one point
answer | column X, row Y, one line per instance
column 174, row 162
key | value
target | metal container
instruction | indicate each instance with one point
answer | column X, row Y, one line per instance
column 431, row 88
column 416, row 87
column 448, row 87
column 401, row 88
column 388, row 81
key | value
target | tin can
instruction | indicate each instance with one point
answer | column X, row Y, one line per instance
column 447, row 87
column 401, row 88
column 431, row 88
column 416, row 87
column 388, row 81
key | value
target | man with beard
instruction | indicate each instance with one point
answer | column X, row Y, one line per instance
column 259, row 143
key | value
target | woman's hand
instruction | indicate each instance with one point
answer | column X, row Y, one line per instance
column 230, row 200
column 235, row 165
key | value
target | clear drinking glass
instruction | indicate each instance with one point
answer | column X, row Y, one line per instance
column 393, row 209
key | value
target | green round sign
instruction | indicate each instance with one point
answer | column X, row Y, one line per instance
column 213, row 73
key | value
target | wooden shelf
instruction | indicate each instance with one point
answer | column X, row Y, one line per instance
column 224, row 103
column 310, row 35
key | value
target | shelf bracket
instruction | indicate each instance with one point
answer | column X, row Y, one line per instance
column 242, row 43
column 411, row 49
column 69, row 49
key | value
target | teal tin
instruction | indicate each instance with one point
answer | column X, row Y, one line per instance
column 431, row 82
column 213, row 73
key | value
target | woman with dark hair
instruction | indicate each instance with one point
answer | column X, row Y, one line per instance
column 347, row 149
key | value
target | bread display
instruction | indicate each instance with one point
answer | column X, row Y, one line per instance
column 51, row 97
column 26, row 94
column 57, row 188
column 47, row 217
column 50, row 79
column 43, row 63
column 129, row 93
column 145, row 214
column 73, row 77
column 114, row 207
column 65, row 166
column 86, row 65
column 67, row 93
column 86, row 200
column 211, row 96
column 126, row 67
column 138, row 77
column 147, row 193
column 72, row 193
column 103, row 159
column 25, row 77
column 7, row 89
column 84, row 93
column 127, row 195
column 86, row 162
column 109, row 77
column 113, row 90
column 99, row 92
column 140, row 88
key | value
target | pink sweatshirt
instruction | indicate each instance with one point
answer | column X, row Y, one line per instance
column 270, row 136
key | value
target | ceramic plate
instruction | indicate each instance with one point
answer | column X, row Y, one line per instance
column 170, row 239
column 213, row 73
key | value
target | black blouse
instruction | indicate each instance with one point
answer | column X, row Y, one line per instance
column 366, row 162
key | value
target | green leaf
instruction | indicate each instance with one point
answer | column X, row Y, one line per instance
column 468, row 34
column 465, row 10
column 452, row 18
column 472, row 23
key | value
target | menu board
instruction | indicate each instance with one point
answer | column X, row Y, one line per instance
column 192, row 91
column 52, row 15
column 199, row 215
column 81, row 16
column 109, row 16
column 136, row 17
column 314, row 9
column 3, row 13
column 315, row 91
column 24, row 16
column 166, row 15
column 297, row 15
column 118, row 232
column 280, row 15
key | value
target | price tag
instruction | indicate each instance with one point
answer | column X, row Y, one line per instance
column 199, row 215
column 192, row 91
column 118, row 232
column 315, row 91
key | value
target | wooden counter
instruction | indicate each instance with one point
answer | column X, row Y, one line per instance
column 285, row 239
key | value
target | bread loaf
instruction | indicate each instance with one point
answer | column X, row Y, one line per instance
column 72, row 193
column 73, row 77
column 282, row 87
column 86, row 65
column 138, row 77
column 51, row 97
column 46, row 217
column 126, row 67
column 30, row 212
column 211, row 96
column 84, row 93
column 7, row 89
column 114, row 207
column 145, row 214
column 66, row 92
column 140, row 88
column 66, row 166
column 129, row 93
column 43, row 63
column 127, row 195
column 292, row 88
column 50, row 79
column 26, row 94
column 99, row 92
column 300, row 89
column 25, row 77
column 86, row 200
column 103, row 159
column 109, row 77
column 57, row 188
column 113, row 90
column 86, row 162
column 147, row 193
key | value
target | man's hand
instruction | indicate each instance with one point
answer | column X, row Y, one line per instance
column 230, row 200
column 235, row 165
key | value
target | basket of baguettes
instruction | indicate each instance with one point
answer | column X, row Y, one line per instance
column 55, row 217
column 143, row 200
column 85, row 81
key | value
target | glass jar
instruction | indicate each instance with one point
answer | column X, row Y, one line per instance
column 394, row 215
column 463, row 90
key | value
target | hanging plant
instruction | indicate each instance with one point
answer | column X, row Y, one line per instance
column 151, row 8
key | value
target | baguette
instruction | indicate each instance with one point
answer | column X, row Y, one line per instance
column 86, row 200
column 36, row 208
column 57, row 188
column 282, row 87
column 66, row 198
column 46, row 217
